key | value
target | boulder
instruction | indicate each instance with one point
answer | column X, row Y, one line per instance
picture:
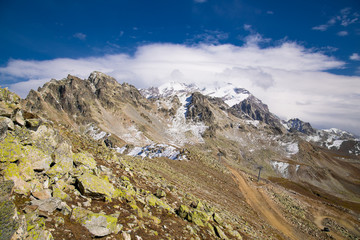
column 13, row 172
column 44, row 194
column 8, row 214
column 93, row 186
column 85, row 160
column 37, row 158
column 8, row 122
column 18, row 118
column 183, row 211
column 63, row 166
column 33, row 123
column 98, row 224
column 220, row 233
column 3, row 130
column 160, row 193
column 47, row 205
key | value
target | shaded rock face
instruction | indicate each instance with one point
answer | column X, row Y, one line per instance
column 199, row 109
column 296, row 125
column 253, row 109
column 81, row 99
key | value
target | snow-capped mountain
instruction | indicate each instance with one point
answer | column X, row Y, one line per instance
column 229, row 93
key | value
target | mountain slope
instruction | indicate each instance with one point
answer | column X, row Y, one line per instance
column 221, row 136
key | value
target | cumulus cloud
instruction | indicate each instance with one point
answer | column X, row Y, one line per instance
column 291, row 79
column 355, row 57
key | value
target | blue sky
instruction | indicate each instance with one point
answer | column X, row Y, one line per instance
column 302, row 58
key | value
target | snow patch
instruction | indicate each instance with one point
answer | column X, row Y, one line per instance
column 281, row 167
column 255, row 123
column 179, row 126
column 134, row 136
column 156, row 151
column 95, row 132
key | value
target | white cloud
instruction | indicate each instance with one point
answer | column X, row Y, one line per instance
column 355, row 57
column 80, row 36
column 288, row 77
column 270, row 12
column 343, row 33
column 200, row 1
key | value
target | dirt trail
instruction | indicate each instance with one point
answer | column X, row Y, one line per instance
column 263, row 205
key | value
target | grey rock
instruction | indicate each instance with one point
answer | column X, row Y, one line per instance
column 3, row 130
column 47, row 205
column 18, row 118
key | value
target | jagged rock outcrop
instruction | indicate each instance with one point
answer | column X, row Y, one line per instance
column 198, row 109
column 296, row 125
column 79, row 100
column 252, row 108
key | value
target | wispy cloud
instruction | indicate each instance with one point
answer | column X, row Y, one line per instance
column 270, row 12
column 345, row 18
column 209, row 37
column 200, row 1
column 80, row 36
column 282, row 75
column 355, row 57
column 343, row 33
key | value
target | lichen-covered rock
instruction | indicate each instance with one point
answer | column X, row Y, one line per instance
column 156, row 202
column 33, row 123
column 11, row 150
column 3, row 130
column 13, row 172
column 93, row 186
column 183, row 211
column 18, row 118
column 58, row 193
column 197, row 217
column 85, row 160
column 8, row 122
column 8, row 214
column 217, row 218
column 8, row 97
column 98, row 224
column 220, row 233
column 38, row 159
column 45, row 138
column 160, row 193
column 36, row 228
column 64, row 166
